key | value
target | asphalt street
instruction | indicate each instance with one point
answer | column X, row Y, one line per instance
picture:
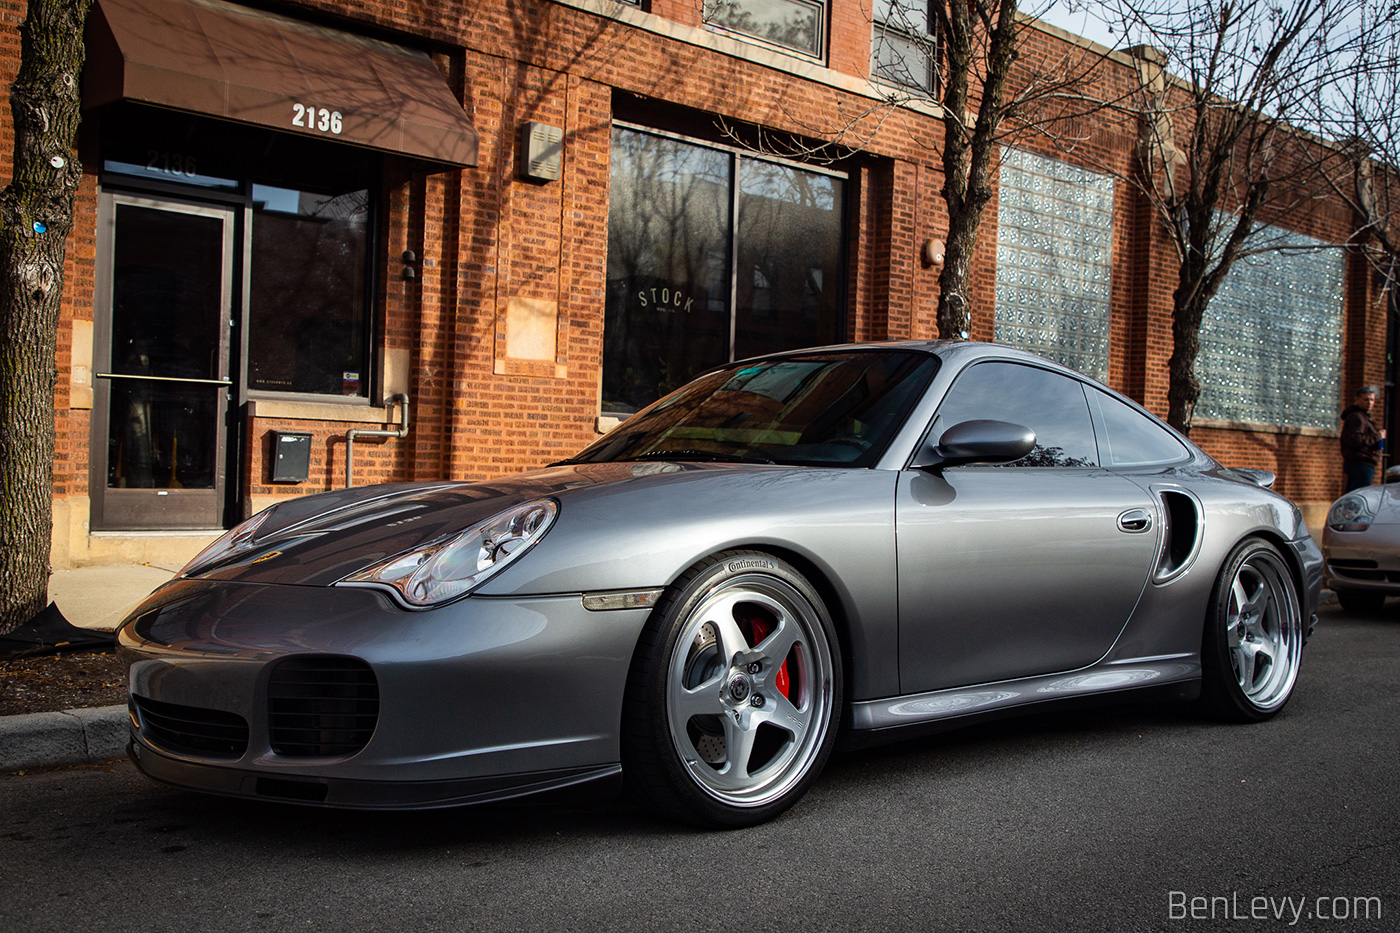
column 1105, row 820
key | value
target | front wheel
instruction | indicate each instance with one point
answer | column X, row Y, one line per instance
column 734, row 694
column 1253, row 638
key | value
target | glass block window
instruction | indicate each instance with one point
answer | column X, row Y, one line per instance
column 1054, row 253
column 1271, row 339
column 792, row 25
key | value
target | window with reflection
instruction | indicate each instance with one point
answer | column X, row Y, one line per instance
column 308, row 300
column 794, row 25
column 837, row 408
column 1131, row 439
column 713, row 255
column 902, row 44
column 1051, row 405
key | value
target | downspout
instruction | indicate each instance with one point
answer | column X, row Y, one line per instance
column 353, row 433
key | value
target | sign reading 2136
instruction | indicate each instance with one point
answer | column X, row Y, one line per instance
column 317, row 118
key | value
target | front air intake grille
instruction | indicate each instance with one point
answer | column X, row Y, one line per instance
column 1361, row 570
column 321, row 707
column 192, row 729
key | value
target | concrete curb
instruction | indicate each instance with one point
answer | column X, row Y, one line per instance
column 58, row 740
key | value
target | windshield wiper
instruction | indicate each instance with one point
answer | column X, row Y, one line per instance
column 690, row 454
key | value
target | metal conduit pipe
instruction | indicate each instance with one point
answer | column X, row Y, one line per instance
column 353, row 433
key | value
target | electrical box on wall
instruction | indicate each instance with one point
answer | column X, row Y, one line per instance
column 291, row 456
column 541, row 151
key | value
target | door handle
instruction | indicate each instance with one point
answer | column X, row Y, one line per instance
column 1135, row 521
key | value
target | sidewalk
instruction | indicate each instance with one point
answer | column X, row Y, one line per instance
column 94, row 598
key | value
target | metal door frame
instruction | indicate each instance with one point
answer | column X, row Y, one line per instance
column 154, row 509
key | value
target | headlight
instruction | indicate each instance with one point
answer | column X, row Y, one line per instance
column 452, row 567
column 236, row 541
column 1350, row 513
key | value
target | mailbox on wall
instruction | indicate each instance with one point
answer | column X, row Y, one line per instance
column 291, row 456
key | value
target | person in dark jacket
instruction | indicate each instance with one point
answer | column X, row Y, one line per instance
column 1361, row 442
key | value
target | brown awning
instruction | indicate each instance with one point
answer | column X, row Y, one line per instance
column 211, row 57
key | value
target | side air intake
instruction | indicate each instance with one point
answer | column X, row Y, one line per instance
column 1182, row 537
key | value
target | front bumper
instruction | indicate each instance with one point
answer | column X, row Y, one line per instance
column 484, row 699
column 1363, row 561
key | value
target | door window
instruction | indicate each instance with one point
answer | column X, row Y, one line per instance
column 162, row 365
column 1051, row 405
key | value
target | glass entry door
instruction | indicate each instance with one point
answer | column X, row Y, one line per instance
column 161, row 362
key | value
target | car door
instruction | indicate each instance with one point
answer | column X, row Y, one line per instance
column 1028, row 568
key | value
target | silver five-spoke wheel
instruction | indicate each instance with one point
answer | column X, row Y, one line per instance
column 1254, row 639
column 735, row 692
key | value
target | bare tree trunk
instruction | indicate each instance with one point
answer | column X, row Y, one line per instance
column 968, row 150
column 36, row 215
column 1183, row 387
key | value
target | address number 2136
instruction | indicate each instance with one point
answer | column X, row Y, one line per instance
column 316, row 118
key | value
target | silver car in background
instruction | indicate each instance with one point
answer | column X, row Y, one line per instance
column 855, row 543
column 1361, row 543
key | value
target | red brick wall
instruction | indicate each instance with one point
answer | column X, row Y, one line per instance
column 484, row 237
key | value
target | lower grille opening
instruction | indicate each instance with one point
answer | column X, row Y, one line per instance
column 319, row 707
column 192, row 729
column 306, row 791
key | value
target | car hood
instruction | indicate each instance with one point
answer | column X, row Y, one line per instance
column 1386, row 500
column 318, row 540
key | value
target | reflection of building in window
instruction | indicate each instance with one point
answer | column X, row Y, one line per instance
column 1054, row 259
column 903, row 48
column 1271, row 338
column 713, row 255
column 796, row 25
column 307, row 307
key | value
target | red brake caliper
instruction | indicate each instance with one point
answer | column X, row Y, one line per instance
column 761, row 628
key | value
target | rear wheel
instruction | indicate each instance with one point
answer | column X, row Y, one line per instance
column 734, row 694
column 1253, row 638
column 1360, row 601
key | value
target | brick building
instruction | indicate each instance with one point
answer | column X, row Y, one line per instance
column 483, row 232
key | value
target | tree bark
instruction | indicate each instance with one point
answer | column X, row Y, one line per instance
column 36, row 216
column 968, row 151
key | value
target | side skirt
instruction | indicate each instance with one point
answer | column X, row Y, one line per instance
column 895, row 718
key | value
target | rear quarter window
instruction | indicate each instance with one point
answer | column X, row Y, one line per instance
column 1128, row 438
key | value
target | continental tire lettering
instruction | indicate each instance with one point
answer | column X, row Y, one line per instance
column 735, row 566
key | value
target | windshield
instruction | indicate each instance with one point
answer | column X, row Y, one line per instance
column 835, row 409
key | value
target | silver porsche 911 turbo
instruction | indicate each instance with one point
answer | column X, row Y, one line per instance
column 857, row 543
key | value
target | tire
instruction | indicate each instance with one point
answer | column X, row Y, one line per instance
column 1361, row 602
column 734, row 694
column 1253, row 638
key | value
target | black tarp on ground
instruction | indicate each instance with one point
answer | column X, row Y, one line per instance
column 50, row 633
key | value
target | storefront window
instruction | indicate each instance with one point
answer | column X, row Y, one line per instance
column 712, row 256
column 306, row 314
column 305, row 231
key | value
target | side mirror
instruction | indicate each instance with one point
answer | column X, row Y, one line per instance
column 977, row 442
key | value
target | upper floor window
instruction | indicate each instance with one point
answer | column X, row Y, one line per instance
column 791, row 25
column 902, row 44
